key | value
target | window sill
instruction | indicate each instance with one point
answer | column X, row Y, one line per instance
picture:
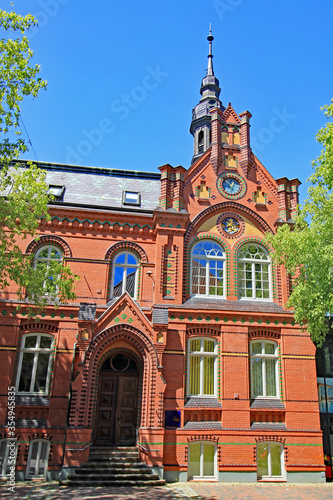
column 267, row 404
column 210, row 297
column 249, row 299
column 202, row 402
column 31, row 400
column 272, row 480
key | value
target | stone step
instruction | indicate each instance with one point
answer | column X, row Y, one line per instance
column 102, row 456
column 121, row 451
column 158, row 482
column 105, row 464
column 114, row 470
column 113, row 466
column 112, row 477
column 111, row 460
column 124, row 449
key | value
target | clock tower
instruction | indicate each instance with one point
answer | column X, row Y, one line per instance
column 201, row 116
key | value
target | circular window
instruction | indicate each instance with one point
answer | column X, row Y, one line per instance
column 119, row 362
column 230, row 225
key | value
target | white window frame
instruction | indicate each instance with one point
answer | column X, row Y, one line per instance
column 36, row 351
column 265, row 356
column 208, row 259
column 8, row 461
column 39, row 443
column 47, row 259
column 202, row 354
column 253, row 262
column 124, row 267
column 131, row 198
column 55, row 190
column 201, row 477
column 270, row 477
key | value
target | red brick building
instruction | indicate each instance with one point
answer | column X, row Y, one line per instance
column 178, row 342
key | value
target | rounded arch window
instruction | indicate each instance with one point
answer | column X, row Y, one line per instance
column 45, row 257
column 207, row 269
column 125, row 275
column 46, row 254
column 254, row 273
column 225, row 135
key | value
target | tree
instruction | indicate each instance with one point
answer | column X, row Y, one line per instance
column 306, row 250
column 23, row 191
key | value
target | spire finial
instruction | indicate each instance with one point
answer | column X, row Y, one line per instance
column 210, row 38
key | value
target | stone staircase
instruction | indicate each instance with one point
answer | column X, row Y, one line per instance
column 116, row 466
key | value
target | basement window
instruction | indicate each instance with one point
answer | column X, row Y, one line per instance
column 131, row 198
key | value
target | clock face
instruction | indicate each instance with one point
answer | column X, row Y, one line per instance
column 231, row 185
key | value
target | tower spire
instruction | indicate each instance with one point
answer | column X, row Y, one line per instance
column 210, row 98
column 210, row 38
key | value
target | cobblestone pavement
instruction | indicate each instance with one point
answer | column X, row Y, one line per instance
column 176, row 491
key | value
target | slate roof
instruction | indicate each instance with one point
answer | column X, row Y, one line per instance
column 102, row 187
column 160, row 314
column 231, row 305
column 87, row 311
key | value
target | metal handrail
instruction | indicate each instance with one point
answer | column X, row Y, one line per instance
column 79, row 449
column 138, row 444
column 146, row 449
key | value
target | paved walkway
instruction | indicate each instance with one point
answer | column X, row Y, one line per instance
column 177, row 491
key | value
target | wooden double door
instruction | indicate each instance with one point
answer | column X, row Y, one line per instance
column 117, row 410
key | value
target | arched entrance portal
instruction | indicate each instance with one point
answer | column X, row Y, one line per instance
column 117, row 404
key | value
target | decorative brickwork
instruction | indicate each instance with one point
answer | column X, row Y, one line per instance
column 129, row 246
column 49, row 239
column 91, row 227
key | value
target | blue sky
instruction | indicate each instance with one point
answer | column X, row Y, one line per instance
column 123, row 78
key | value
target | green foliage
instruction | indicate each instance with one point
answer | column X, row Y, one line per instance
column 17, row 79
column 307, row 250
column 23, row 191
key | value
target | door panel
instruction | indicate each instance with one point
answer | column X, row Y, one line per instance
column 127, row 409
column 116, row 409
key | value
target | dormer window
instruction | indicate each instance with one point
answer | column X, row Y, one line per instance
column 131, row 198
column 56, row 191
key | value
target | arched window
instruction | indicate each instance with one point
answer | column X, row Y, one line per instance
column 207, row 269
column 125, row 275
column 202, row 461
column 270, row 460
column 38, row 457
column 43, row 259
column 202, row 368
column 34, row 368
column 264, row 369
column 225, row 135
column 235, row 136
column 201, row 142
column 254, row 273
